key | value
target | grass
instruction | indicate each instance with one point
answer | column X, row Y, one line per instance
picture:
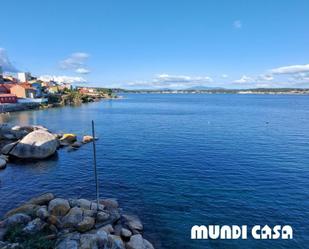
column 27, row 241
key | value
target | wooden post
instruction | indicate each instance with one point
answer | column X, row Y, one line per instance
column 95, row 165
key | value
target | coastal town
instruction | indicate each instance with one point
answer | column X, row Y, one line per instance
column 22, row 91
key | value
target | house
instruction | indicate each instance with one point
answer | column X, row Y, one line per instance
column 8, row 98
column 5, row 88
column 23, row 77
column 1, row 75
column 23, row 90
column 37, row 85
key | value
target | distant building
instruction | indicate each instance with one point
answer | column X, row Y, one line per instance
column 23, row 77
column 23, row 91
column 8, row 98
column 1, row 75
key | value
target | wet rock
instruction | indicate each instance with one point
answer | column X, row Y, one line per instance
column 8, row 136
column 134, row 223
column 4, row 157
column 7, row 245
column 42, row 199
column 58, row 207
column 17, row 219
column 38, row 144
column 76, row 144
column 86, row 224
column 73, row 217
column 125, row 233
column 2, row 164
column 87, row 139
column 34, row 226
column 29, row 209
column 42, row 213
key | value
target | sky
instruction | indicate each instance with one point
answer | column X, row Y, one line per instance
column 175, row 44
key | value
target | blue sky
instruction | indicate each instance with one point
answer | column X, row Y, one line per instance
column 159, row 44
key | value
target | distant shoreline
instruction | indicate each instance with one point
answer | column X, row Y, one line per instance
column 270, row 91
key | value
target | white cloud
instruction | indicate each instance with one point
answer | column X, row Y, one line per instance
column 265, row 77
column 244, row 79
column 237, row 24
column 62, row 79
column 173, row 81
column 5, row 62
column 224, row 76
column 293, row 69
column 82, row 70
column 76, row 62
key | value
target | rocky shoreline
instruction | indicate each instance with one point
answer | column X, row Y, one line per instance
column 47, row 221
column 34, row 142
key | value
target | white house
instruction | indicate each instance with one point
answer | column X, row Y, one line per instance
column 23, row 77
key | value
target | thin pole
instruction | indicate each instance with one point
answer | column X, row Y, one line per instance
column 95, row 165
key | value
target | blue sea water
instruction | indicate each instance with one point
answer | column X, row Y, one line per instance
column 181, row 160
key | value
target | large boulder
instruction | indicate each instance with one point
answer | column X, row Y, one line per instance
column 42, row 199
column 138, row 242
column 86, row 224
column 6, row 149
column 38, row 144
column 29, row 209
column 73, row 217
column 58, row 207
column 134, row 223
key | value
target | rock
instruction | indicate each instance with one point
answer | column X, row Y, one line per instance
column 67, row 244
column 38, row 144
column 4, row 157
column 34, row 226
column 87, row 139
column 8, row 136
column 83, row 203
column 42, row 213
column 7, row 148
column 137, row 242
column 2, row 233
column 134, row 223
column 29, row 209
column 110, row 203
column 91, row 213
column 86, row 224
column 17, row 219
column 94, row 206
column 88, row 241
column 53, row 220
column 107, row 228
column 53, row 228
column 68, row 138
column 102, row 238
column 58, row 207
column 115, row 242
column 125, row 233
column 148, row 245
column 102, row 216
column 2, row 164
column 76, row 144
column 7, row 245
column 73, row 217
column 42, row 199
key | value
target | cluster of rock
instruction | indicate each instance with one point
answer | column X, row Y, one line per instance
column 33, row 142
column 75, row 224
